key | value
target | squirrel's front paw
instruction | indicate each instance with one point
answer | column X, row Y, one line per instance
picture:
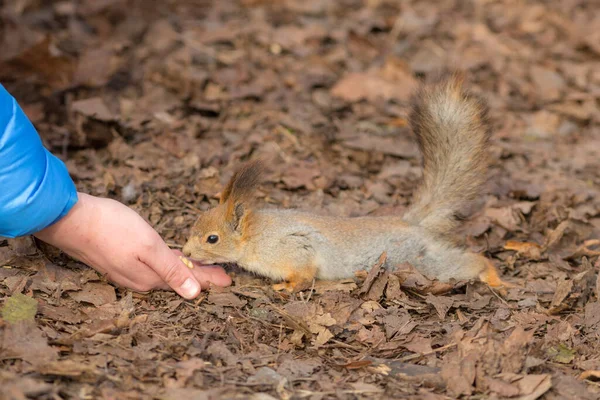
column 283, row 286
column 292, row 286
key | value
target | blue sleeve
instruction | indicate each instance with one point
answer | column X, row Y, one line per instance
column 35, row 187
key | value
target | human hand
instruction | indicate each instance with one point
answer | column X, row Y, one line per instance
column 113, row 239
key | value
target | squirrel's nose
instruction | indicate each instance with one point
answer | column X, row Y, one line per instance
column 186, row 250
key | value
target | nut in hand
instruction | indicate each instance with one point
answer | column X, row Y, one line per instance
column 187, row 262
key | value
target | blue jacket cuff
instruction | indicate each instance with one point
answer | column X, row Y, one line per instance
column 35, row 187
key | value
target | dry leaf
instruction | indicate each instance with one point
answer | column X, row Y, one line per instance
column 531, row 251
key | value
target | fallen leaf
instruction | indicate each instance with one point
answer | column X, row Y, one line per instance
column 41, row 61
column 225, row 299
column 24, row 340
column 506, row 217
column 561, row 354
column 385, row 145
column 371, row 86
column 265, row 376
column 300, row 176
column 347, row 285
column 372, row 274
column 549, row 83
column 374, row 336
column 94, row 108
column 500, row 387
column 421, row 345
column 357, row 364
column 592, row 315
column 534, row 386
column 398, row 325
column 298, row 368
column 95, row 293
column 531, row 251
column 441, row 304
column 67, row 368
column 592, row 375
column 61, row 313
column 219, row 351
column 94, row 67
column 19, row 307
column 563, row 289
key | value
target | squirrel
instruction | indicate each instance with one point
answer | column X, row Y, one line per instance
column 294, row 248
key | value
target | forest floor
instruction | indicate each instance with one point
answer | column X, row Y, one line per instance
column 156, row 105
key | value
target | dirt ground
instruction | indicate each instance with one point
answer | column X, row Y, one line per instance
column 155, row 104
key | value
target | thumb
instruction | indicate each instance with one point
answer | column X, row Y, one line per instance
column 173, row 271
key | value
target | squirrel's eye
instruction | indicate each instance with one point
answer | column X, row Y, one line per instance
column 212, row 239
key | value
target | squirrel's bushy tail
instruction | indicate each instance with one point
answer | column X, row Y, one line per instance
column 453, row 133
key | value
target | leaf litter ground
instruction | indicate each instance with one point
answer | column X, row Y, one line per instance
column 156, row 106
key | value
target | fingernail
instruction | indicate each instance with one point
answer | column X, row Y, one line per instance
column 190, row 288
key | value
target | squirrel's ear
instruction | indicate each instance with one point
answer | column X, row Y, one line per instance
column 236, row 213
column 243, row 182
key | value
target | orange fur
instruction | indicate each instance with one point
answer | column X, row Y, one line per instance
column 491, row 277
column 296, row 279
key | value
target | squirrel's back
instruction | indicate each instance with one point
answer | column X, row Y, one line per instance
column 453, row 133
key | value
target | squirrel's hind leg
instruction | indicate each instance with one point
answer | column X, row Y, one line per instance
column 490, row 276
column 297, row 279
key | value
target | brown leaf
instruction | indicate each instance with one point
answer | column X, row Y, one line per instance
column 94, row 67
column 356, row 364
column 549, row 84
column 40, row 61
column 534, row 386
column 393, row 290
column 16, row 386
column 592, row 375
column 398, row 325
column 411, row 278
column 24, row 340
column 346, row 285
column 60, row 313
column 377, row 288
column 513, row 350
column 504, row 389
column 543, row 124
column 592, row 315
column 95, row 293
column 373, row 273
column 373, row 336
column 531, row 251
column 459, row 376
column 441, row 304
column 23, row 246
column 265, row 376
column 506, row 217
column 67, row 368
column 373, row 85
column 301, row 176
column 419, row 344
column 219, row 351
column 391, row 146
column 555, row 235
column 225, row 299
column 298, row 368
column 93, row 107
column 187, row 368
column 563, row 289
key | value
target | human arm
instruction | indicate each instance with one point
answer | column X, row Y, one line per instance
column 37, row 196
